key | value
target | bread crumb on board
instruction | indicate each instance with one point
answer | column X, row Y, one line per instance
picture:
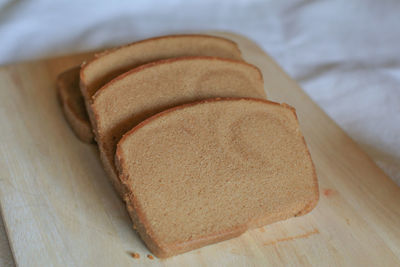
column 150, row 256
column 135, row 255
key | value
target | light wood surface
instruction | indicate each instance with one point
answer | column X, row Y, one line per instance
column 60, row 210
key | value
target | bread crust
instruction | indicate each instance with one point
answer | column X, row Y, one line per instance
column 171, row 60
column 141, row 222
column 67, row 88
column 97, row 56
column 112, row 50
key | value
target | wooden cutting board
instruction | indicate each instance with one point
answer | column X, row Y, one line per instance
column 60, row 210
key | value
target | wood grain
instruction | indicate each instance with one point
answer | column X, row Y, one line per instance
column 60, row 210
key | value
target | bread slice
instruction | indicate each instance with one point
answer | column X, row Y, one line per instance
column 109, row 64
column 205, row 172
column 73, row 104
column 149, row 89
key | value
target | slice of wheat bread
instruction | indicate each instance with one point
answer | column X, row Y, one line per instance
column 146, row 90
column 207, row 171
column 111, row 63
column 73, row 104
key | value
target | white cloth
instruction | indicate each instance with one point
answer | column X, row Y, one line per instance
column 345, row 54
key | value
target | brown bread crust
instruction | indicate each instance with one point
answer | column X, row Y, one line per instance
column 172, row 60
column 143, row 225
column 73, row 105
column 88, row 92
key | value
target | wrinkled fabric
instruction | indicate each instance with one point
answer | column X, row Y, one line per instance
column 345, row 54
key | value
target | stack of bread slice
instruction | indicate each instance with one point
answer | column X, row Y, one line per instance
column 189, row 141
column 111, row 63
